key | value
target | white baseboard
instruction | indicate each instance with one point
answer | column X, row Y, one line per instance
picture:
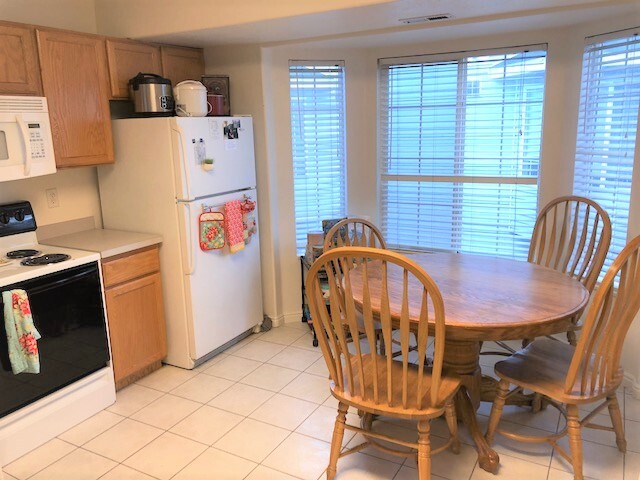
column 632, row 384
column 295, row 317
column 286, row 318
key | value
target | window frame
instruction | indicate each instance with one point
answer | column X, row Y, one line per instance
column 337, row 209
column 383, row 127
column 585, row 158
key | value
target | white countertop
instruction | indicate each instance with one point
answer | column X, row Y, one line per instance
column 107, row 243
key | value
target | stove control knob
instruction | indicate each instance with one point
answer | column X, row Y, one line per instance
column 4, row 218
column 19, row 215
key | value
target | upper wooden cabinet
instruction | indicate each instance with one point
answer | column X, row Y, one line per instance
column 79, row 73
column 128, row 58
column 19, row 71
column 182, row 63
column 76, row 83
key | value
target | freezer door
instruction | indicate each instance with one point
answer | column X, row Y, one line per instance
column 224, row 288
column 226, row 141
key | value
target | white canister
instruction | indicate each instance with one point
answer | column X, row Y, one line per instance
column 191, row 99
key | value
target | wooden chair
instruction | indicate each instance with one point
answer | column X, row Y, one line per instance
column 571, row 235
column 374, row 383
column 588, row 372
column 358, row 232
column 355, row 232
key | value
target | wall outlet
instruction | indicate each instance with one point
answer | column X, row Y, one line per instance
column 52, row 198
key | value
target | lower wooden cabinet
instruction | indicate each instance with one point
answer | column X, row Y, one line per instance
column 133, row 292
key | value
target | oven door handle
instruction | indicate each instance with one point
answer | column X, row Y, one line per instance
column 59, row 283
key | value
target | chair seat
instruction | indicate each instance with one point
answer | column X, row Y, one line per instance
column 449, row 386
column 543, row 366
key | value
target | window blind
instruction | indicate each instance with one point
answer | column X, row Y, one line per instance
column 318, row 143
column 607, row 129
column 460, row 150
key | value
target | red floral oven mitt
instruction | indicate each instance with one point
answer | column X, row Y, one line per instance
column 211, row 231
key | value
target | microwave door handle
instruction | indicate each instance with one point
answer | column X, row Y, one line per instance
column 190, row 253
column 25, row 138
column 184, row 160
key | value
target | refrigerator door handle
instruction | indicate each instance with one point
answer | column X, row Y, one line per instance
column 184, row 160
column 190, row 249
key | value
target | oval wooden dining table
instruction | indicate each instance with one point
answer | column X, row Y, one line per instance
column 485, row 298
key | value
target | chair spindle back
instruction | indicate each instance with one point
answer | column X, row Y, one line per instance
column 572, row 235
column 595, row 363
column 397, row 288
column 353, row 232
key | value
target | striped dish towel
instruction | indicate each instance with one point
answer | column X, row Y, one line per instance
column 234, row 226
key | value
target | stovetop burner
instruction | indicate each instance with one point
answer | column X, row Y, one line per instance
column 45, row 259
column 29, row 252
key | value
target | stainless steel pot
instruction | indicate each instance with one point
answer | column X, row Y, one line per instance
column 151, row 95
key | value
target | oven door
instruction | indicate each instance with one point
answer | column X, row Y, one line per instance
column 68, row 312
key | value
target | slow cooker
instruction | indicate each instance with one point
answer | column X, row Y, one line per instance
column 151, row 95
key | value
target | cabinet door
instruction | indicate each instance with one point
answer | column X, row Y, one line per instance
column 126, row 60
column 76, row 84
column 181, row 63
column 19, row 70
column 136, row 324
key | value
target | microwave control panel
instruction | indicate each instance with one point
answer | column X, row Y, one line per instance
column 36, row 140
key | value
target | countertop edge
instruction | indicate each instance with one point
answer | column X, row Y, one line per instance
column 108, row 243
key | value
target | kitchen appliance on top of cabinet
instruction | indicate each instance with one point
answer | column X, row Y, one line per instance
column 167, row 173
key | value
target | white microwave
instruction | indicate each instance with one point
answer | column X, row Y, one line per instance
column 26, row 146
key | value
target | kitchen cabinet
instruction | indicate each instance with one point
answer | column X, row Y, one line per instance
column 133, row 294
column 19, row 69
column 182, row 63
column 128, row 58
column 76, row 83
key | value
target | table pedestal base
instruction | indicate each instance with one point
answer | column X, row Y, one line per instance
column 463, row 357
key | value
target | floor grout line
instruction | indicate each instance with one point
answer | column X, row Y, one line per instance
column 290, row 430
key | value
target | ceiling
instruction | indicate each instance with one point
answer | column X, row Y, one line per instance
column 213, row 22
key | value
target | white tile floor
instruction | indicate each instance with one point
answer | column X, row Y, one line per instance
column 262, row 411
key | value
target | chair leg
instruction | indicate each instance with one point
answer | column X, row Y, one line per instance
column 616, row 421
column 496, row 410
column 575, row 440
column 336, row 441
column 424, row 450
column 452, row 423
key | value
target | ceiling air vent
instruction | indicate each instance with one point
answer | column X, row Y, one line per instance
column 427, row 18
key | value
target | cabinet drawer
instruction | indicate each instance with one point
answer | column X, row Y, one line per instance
column 131, row 265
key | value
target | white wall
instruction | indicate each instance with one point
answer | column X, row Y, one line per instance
column 77, row 15
column 77, row 195
column 77, row 187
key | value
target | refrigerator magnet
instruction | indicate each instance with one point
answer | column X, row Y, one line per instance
column 211, row 231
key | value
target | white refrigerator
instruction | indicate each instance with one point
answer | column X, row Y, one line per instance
column 161, row 182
